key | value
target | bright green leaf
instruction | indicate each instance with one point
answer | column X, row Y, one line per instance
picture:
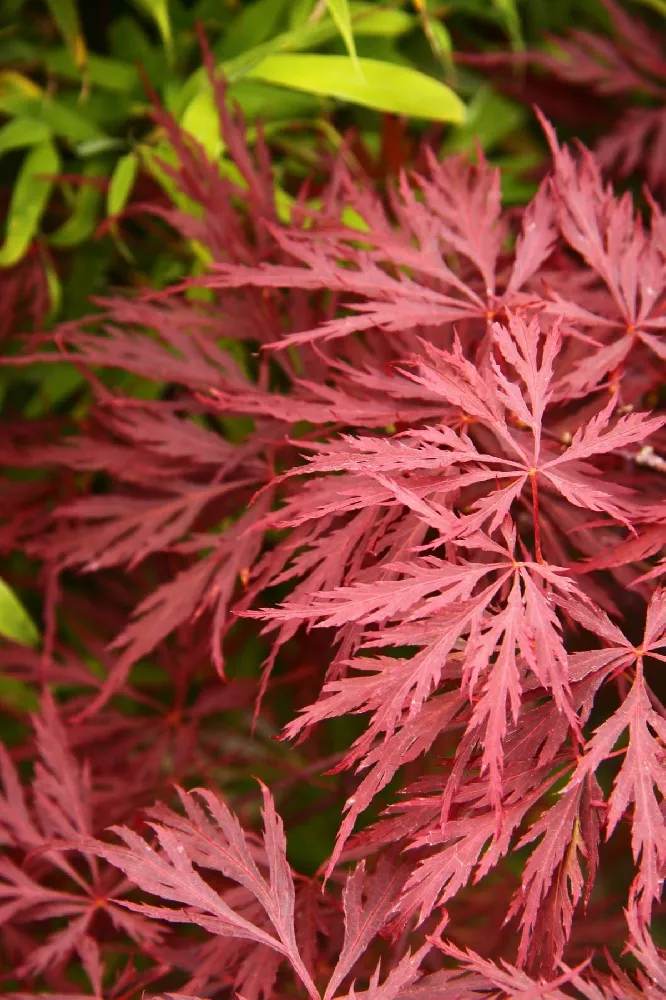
column 201, row 120
column 22, row 132
column 54, row 286
column 369, row 19
column 121, row 184
column 29, row 198
column 385, row 87
column 339, row 11
column 66, row 16
column 15, row 622
column 264, row 102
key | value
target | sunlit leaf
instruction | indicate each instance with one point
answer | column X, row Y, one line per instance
column 29, row 198
column 21, row 132
column 15, row 622
column 121, row 184
column 385, row 87
column 201, row 120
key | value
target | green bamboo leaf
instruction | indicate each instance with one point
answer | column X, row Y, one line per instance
column 508, row 11
column 103, row 72
column 490, row 119
column 121, row 184
column 29, row 198
column 158, row 10
column 341, row 14
column 201, row 120
column 384, row 86
column 21, row 98
column 54, row 286
column 15, row 622
column 81, row 223
column 66, row 16
column 22, row 132
column 255, row 23
column 439, row 40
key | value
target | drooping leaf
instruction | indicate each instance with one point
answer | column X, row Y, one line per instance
column 29, row 198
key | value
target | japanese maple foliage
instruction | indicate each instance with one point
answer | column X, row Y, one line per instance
column 436, row 438
column 628, row 63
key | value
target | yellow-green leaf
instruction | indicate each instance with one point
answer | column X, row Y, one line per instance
column 201, row 120
column 29, row 198
column 22, row 132
column 383, row 86
column 81, row 222
column 658, row 5
column 66, row 16
column 20, row 97
column 159, row 11
column 339, row 11
column 121, row 184
column 15, row 622
column 440, row 40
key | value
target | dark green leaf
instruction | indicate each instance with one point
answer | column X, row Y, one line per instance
column 66, row 15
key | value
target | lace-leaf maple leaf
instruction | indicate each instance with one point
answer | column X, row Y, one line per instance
column 211, row 837
column 630, row 61
column 50, row 840
column 451, row 602
column 642, row 774
column 460, row 214
column 552, row 880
